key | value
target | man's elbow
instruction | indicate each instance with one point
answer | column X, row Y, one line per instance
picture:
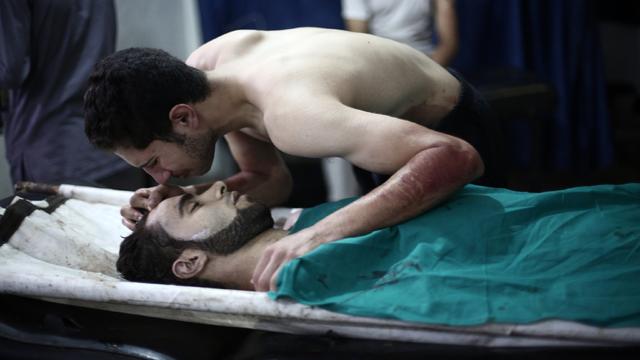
column 470, row 161
column 452, row 50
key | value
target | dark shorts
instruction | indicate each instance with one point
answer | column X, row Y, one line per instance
column 471, row 121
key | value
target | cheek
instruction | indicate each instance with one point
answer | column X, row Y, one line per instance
column 206, row 224
column 190, row 229
column 187, row 163
column 173, row 157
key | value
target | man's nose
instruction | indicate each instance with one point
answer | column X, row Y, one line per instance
column 218, row 188
column 159, row 175
column 213, row 193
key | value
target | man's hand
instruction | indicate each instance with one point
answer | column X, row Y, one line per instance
column 277, row 254
column 146, row 199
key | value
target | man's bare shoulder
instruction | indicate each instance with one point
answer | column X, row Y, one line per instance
column 207, row 56
column 241, row 38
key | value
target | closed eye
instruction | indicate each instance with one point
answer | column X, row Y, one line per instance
column 194, row 206
column 151, row 164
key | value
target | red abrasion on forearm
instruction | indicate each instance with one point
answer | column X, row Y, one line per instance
column 428, row 178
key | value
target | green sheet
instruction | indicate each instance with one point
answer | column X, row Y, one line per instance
column 485, row 256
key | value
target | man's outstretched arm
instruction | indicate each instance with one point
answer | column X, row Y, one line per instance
column 427, row 167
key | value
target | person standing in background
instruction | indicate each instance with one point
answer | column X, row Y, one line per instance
column 47, row 50
column 408, row 21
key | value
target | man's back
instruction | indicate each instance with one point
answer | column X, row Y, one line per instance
column 359, row 70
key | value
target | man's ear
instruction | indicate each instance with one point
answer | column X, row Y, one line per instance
column 183, row 116
column 190, row 263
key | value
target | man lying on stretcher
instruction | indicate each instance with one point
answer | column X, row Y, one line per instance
column 486, row 255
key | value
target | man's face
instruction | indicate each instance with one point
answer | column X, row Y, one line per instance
column 223, row 220
column 187, row 157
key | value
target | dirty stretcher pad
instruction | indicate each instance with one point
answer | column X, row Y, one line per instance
column 66, row 253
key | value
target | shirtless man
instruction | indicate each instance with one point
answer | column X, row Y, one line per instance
column 306, row 92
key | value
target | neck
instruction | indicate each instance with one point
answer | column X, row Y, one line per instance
column 235, row 270
column 226, row 108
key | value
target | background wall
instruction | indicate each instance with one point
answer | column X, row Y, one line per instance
column 173, row 26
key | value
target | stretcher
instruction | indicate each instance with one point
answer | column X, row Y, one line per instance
column 63, row 250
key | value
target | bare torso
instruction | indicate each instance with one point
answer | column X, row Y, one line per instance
column 359, row 70
column 320, row 93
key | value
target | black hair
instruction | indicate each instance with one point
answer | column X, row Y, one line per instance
column 130, row 95
column 148, row 254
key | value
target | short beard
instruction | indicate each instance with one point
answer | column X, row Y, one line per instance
column 248, row 223
column 196, row 147
column 200, row 147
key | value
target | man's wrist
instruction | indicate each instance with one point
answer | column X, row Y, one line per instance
column 322, row 232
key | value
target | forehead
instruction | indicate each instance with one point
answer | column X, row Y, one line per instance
column 166, row 210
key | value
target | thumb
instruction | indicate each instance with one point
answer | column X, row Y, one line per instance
column 154, row 199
